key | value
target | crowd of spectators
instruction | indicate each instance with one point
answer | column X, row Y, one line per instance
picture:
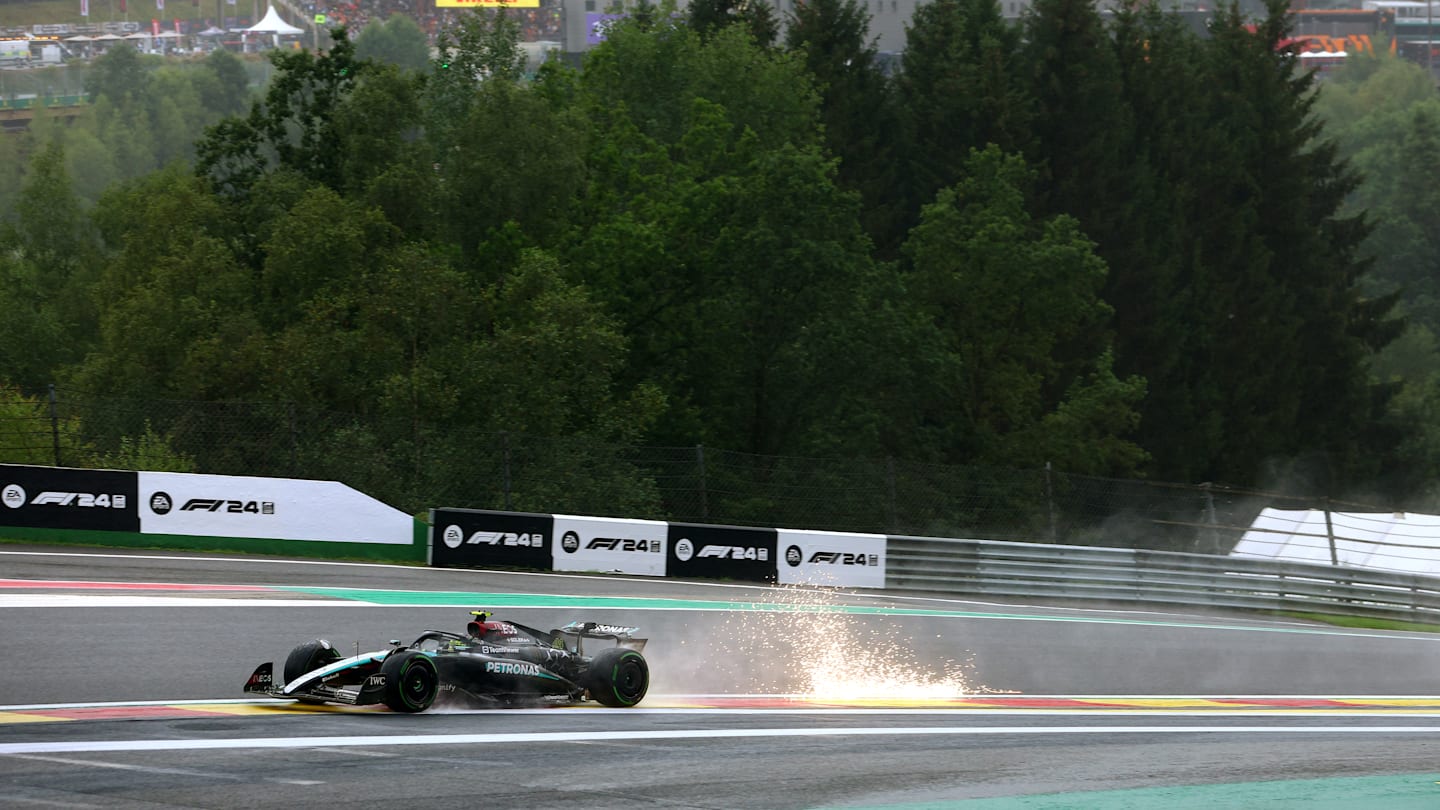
column 543, row 23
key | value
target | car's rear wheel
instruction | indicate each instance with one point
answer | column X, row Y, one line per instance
column 411, row 681
column 309, row 657
column 618, row 677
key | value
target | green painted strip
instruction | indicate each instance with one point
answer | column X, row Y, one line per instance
column 535, row 600
column 1407, row 792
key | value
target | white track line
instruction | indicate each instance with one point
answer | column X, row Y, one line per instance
column 840, row 708
column 96, row 746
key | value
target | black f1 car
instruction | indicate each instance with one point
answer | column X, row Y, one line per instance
column 494, row 663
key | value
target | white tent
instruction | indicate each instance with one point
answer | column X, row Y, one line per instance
column 272, row 24
column 1399, row 541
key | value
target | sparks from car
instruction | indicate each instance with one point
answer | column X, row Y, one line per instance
column 824, row 653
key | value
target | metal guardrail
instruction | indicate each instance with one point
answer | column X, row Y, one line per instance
column 1115, row 575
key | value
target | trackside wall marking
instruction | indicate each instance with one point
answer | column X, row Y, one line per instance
column 96, row 746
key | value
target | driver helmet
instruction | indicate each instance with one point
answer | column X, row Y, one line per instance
column 480, row 625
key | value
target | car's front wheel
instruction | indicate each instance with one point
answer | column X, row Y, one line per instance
column 309, row 657
column 411, row 681
column 618, row 677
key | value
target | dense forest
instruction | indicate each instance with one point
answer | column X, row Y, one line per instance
column 1107, row 244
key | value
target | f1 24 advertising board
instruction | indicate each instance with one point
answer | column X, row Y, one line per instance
column 271, row 508
column 477, row 538
column 65, row 498
column 840, row 559
column 610, row 544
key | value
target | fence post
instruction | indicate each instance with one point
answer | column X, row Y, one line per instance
column 54, row 425
column 890, row 485
column 704, row 497
column 1050, row 503
column 1330, row 531
column 1211, row 531
column 505, row 469
column 294, row 439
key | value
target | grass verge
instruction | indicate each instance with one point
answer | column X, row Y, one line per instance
column 1362, row 623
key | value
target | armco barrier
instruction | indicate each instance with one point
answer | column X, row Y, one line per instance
column 210, row 512
column 1121, row 576
column 942, row 566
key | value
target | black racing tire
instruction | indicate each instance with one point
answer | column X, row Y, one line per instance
column 618, row 677
column 411, row 681
column 309, row 657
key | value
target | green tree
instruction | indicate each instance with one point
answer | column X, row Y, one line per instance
column 480, row 48
column 1082, row 125
column 1016, row 302
column 651, row 77
column 147, row 451
column 1283, row 268
column 51, row 255
column 861, row 121
column 28, row 435
column 517, row 160
column 379, row 124
column 395, row 41
column 119, row 76
column 179, row 319
column 713, row 227
column 228, row 90
column 960, row 88
column 292, row 128
column 1157, row 279
column 755, row 16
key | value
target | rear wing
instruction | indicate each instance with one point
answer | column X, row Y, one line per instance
column 622, row 636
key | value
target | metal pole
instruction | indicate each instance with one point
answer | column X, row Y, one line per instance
column 700, row 464
column 1212, row 534
column 294, row 439
column 505, row 476
column 1050, row 502
column 1330, row 532
column 55, row 425
column 890, row 485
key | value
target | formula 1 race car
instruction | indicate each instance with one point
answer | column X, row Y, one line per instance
column 493, row 664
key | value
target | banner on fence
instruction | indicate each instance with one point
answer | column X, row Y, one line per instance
column 609, row 544
column 269, row 508
column 838, row 559
column 721, row 552
column 478, row 538
column 63, row 498
column 482, row 538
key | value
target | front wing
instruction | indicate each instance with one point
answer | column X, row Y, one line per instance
column 309, row 689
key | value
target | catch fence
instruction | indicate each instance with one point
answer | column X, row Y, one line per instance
column 413, row 466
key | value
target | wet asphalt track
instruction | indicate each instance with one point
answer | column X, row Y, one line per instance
column 670, row 758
